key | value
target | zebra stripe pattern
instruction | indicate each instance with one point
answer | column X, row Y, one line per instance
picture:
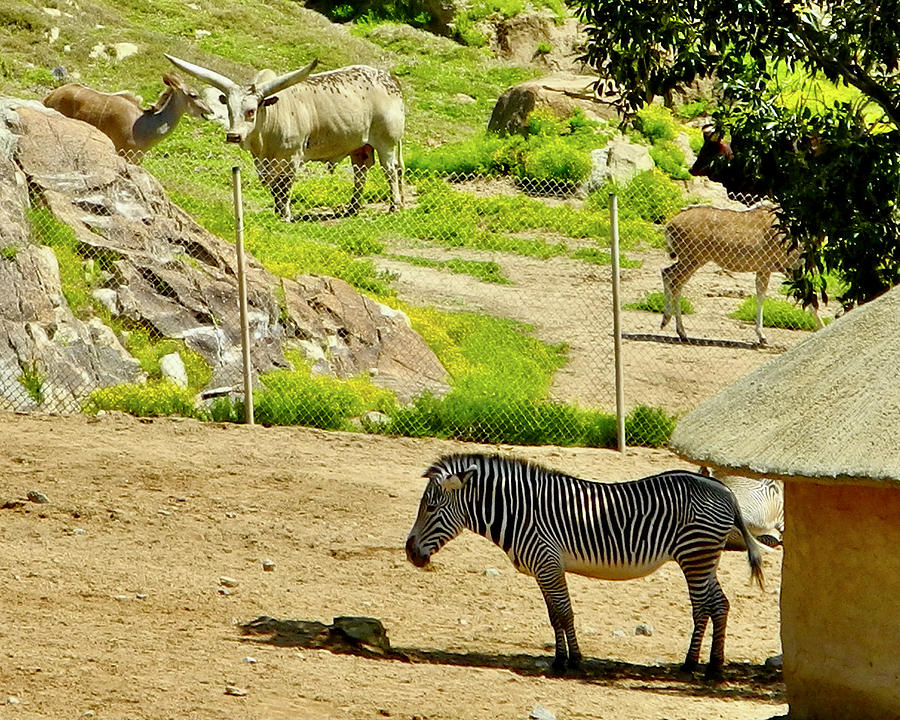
column 550, row 523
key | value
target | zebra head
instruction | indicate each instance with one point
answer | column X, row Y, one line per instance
column 440, row 517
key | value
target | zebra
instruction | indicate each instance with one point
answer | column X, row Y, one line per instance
column 762, row 507
column 550, row 523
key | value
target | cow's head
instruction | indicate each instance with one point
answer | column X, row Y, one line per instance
column 243, row 102
column 714, row 147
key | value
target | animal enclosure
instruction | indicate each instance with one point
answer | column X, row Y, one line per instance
column 481, row 310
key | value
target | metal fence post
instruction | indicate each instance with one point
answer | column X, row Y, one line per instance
column 617, row 324
column 242, row 294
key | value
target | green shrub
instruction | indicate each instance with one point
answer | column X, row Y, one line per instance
column 656, row 123
column 670, row 159
column 651, row 196
column 776, row 314
column 648, row 427
column 154, row 399
column 556, row 162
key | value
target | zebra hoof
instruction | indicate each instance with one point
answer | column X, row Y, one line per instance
column 714, row 674
column 559, row 666
column 575, row 662
column 685, row 674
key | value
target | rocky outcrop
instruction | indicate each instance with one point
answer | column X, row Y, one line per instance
column 560, row 93
column 151, row 266
column 344, row 333
column 539, row 39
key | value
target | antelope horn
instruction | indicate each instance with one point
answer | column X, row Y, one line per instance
column 285, row 81
column 205, row 74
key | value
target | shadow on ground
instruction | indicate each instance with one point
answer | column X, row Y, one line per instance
column 366, row 637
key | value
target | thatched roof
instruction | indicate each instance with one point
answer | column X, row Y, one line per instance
column 828, row 409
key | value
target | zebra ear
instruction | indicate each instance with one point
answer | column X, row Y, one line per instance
column 457, row 481
column 451, row 482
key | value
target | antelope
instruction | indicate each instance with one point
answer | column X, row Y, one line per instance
column 132, row 129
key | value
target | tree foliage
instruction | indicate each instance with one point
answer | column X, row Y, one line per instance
column 833, row 168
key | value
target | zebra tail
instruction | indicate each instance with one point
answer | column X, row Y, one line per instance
column 753, row 549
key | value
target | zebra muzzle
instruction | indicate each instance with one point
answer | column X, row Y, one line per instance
column 413, row 554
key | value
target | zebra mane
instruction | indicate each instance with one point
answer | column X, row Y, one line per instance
column 453, row 462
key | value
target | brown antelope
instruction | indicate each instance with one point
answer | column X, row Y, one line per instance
column 736, row 240
column 132, row 129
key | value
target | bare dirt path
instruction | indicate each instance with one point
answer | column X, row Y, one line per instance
column 570, row 301
column 111, row 602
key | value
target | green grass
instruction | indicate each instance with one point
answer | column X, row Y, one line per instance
column 484, row 270
column 776, row 314
column 654, row 302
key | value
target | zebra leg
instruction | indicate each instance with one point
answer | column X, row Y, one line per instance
column 559, row 608
column 717, row 605
column 699, row 570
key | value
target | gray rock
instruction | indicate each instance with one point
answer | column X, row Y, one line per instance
column 619, row 161
column 539, row 712
column 776, row 662
column 36, row 496
column 268, row 565
column 492, row 572
column 172, row 367
column 108, row 298
column 234, row 690
column 643, row 629
column 228, row 582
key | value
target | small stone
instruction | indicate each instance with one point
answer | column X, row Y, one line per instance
column 775, row 662
column 492, row 572
column 234, row 690
column 200, row 34
column 643, row 629
column 37, row 497
column 88, row 713
column 250, row 660
column 224, row 591
column 12, row 700
column 463, row 621
column 618, row 633
column 78, row 531
column 268, row 565
column 122, row 597
column 539, row 712
column 141, row 596
column 228, row 582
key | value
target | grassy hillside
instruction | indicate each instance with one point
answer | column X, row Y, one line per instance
column 236, row 37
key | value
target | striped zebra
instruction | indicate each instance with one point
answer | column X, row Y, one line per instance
column 762, row 506
column 550, row 523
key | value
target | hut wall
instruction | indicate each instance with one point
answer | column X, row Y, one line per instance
column 840, row 602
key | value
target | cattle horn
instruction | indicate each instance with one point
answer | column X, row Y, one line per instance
column 285, row 81
column 205, row 74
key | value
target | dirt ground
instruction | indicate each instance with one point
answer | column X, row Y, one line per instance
column 111, row 604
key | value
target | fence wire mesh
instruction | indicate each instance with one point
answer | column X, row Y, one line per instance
column 481, row 309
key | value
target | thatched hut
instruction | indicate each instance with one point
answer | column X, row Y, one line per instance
column 825, row 418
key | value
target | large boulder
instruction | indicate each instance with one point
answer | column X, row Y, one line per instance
column 560, row 93
column 151, row 267
column 538, row 38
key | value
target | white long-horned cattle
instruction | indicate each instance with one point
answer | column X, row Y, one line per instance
column 285, row 120
column 132, row 129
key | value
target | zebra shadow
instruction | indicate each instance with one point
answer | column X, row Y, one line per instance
column 365, row 637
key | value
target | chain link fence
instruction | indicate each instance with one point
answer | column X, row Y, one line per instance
column 481, row 310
